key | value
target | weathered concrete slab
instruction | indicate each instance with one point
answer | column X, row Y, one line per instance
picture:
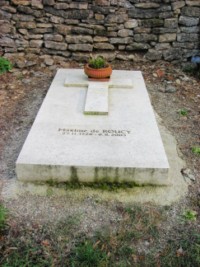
column 97, row 99
column 64, row 144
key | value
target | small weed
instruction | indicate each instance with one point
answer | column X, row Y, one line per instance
column 3, row 214
column 88, row 255
column 5, row 65
column 190, row 215
column 183, row 112
column 196, row 150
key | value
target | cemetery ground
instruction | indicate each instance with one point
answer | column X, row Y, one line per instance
column 87, row 231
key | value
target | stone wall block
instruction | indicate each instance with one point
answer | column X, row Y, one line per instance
column 167, row 37
column 78, row 39
column 193, row 3
column 104, row 46
column 188, row 21
column 153, row 55
column 171, row 23
column 37, row 4
column 168, row 29
column 81, row 30
column 187, row 37
column 137, row 46
column 55, row 45
column 178, row 4
column 7, row 41
column 131, row 24
column 144, row 37
column 119, row 40
column 172, row 54
column 191, row 11
column 36, row 43
column 53, row 37
column 123, row 33
column 21, row 2
column 81, row 47
column 49, row 2
column 152, row 22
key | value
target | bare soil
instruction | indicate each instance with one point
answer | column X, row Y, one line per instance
column 21, row 94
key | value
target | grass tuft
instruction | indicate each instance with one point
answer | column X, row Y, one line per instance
column 5, row 65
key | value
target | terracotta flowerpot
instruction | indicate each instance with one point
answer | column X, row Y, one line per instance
column 98, row 73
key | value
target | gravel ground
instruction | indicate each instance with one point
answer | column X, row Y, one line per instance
column 21, row 94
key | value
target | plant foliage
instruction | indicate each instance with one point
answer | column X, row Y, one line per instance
column 5, row 65
column 98, row 62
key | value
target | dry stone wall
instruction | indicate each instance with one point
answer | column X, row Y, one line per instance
column 158, row 29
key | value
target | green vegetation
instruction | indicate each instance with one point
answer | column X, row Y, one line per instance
column 183, row 112
column 89, row 255
column 190, row 215
column 107, row 186
column 98, row 63
column 133, row 240
column 196, row 150
column 5, row 65
column 3, row 214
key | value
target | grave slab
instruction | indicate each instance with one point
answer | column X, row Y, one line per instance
column 65, row 144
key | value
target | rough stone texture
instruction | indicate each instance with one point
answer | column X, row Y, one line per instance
column 84, row 26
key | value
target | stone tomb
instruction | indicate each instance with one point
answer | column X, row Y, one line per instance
column 95, row 131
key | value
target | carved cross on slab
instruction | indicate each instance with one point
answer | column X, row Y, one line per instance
column 97, row 94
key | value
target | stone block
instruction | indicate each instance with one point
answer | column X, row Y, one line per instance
column 9, row 9
column 36, row 43
column 153, row 55
column 81, row 30
column 194, row 29
column 168, row 37
column 188, row 21
column 102, row 2
column 191, row 11
column 104, row 46
column 152, row 23
column 178, row 4
column 123, row 33
column 118, row 40
column 53, row 37
column 172, row 54
column 131, row 24
column 187, row 37
column 21, row 2
column 26, row 25
column 78, row 39
column 193, row 3
column 171, row 23
column 100, row 39
column 137, row 46
column 6, row 41
column 62, row 29
column 62, row 6
column 144, row 37
column 137, row 13
column 147, row 5
column 37, row 4
column 78, row 5
column 80, row 47
column 49, row 2
column 55, row 45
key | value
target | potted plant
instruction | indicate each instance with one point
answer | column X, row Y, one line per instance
column 98, row 68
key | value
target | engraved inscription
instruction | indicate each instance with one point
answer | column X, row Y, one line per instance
column 94, row 132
